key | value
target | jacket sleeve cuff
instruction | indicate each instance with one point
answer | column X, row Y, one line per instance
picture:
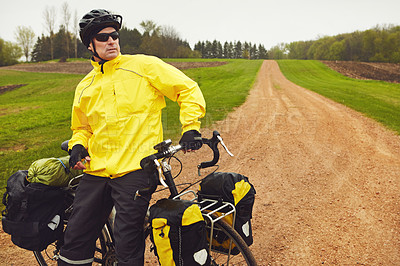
column 192, row 126
column 78, row 138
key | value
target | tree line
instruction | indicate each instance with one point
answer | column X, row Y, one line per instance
column 232, row 50
column 54, row 47
column 161, row 41
column 379, row 44
column 9, row 53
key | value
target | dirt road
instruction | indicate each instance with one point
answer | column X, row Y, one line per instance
column 327, row 178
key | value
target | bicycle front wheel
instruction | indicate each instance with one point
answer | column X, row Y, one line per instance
column 104, row 252
column 239, row 254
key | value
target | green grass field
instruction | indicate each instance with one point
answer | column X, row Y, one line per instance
column 35, row 119
column 376, row 99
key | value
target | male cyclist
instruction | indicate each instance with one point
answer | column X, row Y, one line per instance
column 116, row 120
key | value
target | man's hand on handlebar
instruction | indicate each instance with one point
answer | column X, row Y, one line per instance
column 166, row 150
column 191, row 140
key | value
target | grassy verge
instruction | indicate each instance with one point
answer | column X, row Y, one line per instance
column 223, row 87
column 376, row 99
column 35, row 119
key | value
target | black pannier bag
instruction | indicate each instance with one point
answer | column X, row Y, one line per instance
column 34, row 212
column 236, row 189
column 178, row 233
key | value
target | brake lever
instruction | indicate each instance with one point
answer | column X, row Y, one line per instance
column 223, row 145
column 157, row 163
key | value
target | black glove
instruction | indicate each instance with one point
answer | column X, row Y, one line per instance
column 191, row 140
column 77, row 153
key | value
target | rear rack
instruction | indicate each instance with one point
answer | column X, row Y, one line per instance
column 207, row 207
column 213, row 210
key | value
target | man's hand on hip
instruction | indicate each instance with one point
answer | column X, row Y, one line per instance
column 77, row 153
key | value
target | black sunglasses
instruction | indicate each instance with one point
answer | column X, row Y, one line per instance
column 103, row 37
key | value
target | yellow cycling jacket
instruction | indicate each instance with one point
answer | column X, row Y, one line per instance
column 116, row 114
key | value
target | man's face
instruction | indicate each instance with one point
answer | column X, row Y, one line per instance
column 107, row 50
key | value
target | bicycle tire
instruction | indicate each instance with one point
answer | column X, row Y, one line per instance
column 104, row 252
column 244, row 255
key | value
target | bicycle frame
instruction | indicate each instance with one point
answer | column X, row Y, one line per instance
column 213, row 210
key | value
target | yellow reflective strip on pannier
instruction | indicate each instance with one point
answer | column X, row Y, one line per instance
column 241, row 189
column 192, row 215
column 162, row 241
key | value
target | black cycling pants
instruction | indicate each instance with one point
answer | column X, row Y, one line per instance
column 93, row 202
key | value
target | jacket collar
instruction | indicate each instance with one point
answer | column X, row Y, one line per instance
column 105, row 67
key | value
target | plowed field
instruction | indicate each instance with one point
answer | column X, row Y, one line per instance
column 363, row 70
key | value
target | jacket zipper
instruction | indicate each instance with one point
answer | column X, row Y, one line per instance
column 86, row 88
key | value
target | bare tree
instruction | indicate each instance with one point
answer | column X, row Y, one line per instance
column 76, row 30
column 150, row 27
column 66, row 17
column 171, row 40
column 25, row 36
column 169, row 32
column 49, row 15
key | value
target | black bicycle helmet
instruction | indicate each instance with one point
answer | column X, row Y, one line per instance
column 95, row 21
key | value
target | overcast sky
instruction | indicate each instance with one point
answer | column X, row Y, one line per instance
column 257, row 21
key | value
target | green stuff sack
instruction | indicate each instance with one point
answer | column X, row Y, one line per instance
column 52, row 172
column 236, row 189
column 178, row 233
